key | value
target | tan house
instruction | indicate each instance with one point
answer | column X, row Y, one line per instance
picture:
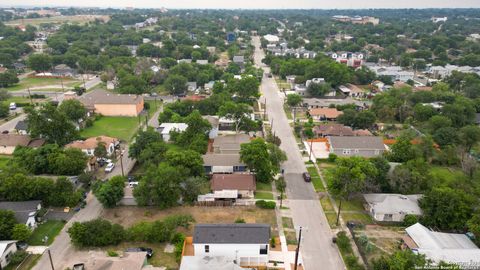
column 88, row 146
column 8, row 142
column 229, row 144
column 244, row 184
column 111, row 104
column 325, row 114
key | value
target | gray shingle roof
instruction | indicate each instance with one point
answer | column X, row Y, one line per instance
column 21, row 125
column 21, row 209
column 357, row 142
column 231, row 234
column 222, row 160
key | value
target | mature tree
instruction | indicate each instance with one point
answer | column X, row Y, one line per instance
column 73, row 109
column 277, row 156
column 281, row 186
column 256, row 156
column 293, row 100
column 364, row 75
column 194, row 186
column 187, row 160
column 154, row 153
column 100, row 150
column 423, row 112
column 349, row 177
column 160, row 186
column 246, row 88
column 8, row 78
column 402, row 150
column 7, row 223
column 21, row 232
column 40, row 62
column 111, row 192
column 364, row 119
column 400, row 260
column 319, row 89
column 196, row 133
column 473, row 225
column 445, row 136
column 176, row 84
column 96, row 233
column 380, row 182
column 51, row 124
column 411, row 177
column 237, row 112
column 446, row 208
column 469, row 136
column 142, row 141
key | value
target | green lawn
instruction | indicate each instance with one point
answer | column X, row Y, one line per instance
column 264, row 186
column 114, row 126
column 326, row 204
column 50, row 228
column 363, row 218
column 3, row 161
column 316, row 180
column 35, row 82
column 261, row 195
column 332, row 219
column 355, row 204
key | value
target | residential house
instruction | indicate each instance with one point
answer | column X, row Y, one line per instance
column 325, row 114
column 209, row 86
column 229, row 144
column 351, row 59
column 110, row 104
column 25, row 211
column 315, row 80
column 88, row 146
column 396, row 73
column 312, row 103
column 244, row 184
column 352, row 91
column 8, row 142
column 300, row 89
column 63, row 70
column 271, row 39
column 7, row 249
column 392, row 207
column 246, row 244
column 322, row 131
column 191, row 86
column 239, row 60
column 166, row 128
column 19, row 67
column 363, row 146
column 437, row 246
column 202, row 62
column 214, row 122
column 223, row 163
column 21, row 127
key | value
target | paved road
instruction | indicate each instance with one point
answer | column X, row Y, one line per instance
column 10, row 125
column 317, row 249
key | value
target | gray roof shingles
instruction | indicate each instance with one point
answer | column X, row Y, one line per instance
column 231, row 234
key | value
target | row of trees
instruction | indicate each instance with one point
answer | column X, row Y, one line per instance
column 11, row 229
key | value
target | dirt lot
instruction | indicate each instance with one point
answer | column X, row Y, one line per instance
column 129, row 215
column 385, row 239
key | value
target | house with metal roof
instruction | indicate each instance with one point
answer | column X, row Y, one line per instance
column 392, row 207
column 7, row 249
column 166, row 128
column 243, row 184
column 438, row 246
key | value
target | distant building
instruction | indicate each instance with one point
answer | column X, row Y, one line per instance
column 351, row 59
column 439, row 19
column 110, row 104
column 231, row 37
column 363, row 146
column 271, row 39
column 214, row 122
column 8, row 142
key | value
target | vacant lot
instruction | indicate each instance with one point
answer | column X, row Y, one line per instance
column 50, row 228
column 129, row 215
column 385, row 239
column 81, row 19
column 39, row 83
column 114, row 126
column 159, row 258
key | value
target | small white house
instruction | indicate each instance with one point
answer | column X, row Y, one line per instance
column 25, row 211
column 166, row 128
column 7, row 249
column 392, row 207
column 247, row 244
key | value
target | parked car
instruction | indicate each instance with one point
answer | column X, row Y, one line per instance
column 306, row 177
column 132, row 184
column 141, row 249
column 79, row 266
column 13, row 106
column 109, row 167
column 5, row 132
column 131, row 178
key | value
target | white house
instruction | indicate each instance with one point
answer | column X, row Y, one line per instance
column 7, row 249
column 392, row 207
column 271, row 38
column 166, row 128
column 25, row 211
column 247, row 244
column 437, row 246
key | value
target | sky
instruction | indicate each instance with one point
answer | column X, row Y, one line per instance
column 253, row 4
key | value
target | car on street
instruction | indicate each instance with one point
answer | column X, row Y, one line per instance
column 131, row 178
column 109, row 167
column 307, row 177
column 141, row 249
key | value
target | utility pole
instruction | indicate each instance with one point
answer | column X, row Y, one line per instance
column 30, row 96
column 265, row 110
column 121, row 162
column 339, row 209
column 298, row 248
column 50, row 257
column 311, row 149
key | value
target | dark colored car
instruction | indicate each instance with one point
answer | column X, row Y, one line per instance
column 141, row 249
column 306, row 177
column 131, row 178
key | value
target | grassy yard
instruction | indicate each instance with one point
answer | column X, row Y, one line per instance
column 326, row 203
column 291, row 238
column 50, row 228
column 28, row 263
column 36, row 82
column 316, row 180
column 355, row 204
column 114, row 126
column 264, row 186
column 159, row 258
column 261, row 195
column 288, row 111
column 363, row 218
column 3, row 161
column 332, row 219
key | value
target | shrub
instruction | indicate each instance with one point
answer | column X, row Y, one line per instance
column 272, row 242
column 96, row 233
column 18, row 257
column 410, row 220
column 239, row 220
column 332, row 157
column 352, row 263
column 343, row 242
column 265, row 204
column 112, row 253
